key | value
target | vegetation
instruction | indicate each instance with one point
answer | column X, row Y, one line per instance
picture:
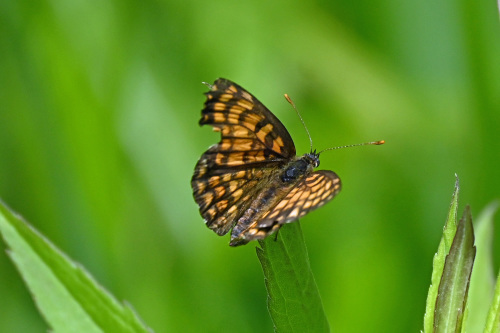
column 98, row 140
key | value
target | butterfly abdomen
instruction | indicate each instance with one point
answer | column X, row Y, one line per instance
column 259, row 207
column 278, row 187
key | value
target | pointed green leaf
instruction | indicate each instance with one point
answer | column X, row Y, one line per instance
column 439, row 260
column 493, row 316
column 66, row 295
column 453, row 289
column 293, row 300
column 483, row 277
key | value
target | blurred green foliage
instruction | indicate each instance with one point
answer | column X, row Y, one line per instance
column 99, row 103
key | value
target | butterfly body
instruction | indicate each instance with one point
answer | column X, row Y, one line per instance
column 273, row 191
column 251, row 181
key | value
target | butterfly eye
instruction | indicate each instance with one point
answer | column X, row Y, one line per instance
column 313, row 159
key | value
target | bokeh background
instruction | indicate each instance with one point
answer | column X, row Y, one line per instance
column 99, row 104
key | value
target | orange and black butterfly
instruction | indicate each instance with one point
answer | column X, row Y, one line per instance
column 251, row 182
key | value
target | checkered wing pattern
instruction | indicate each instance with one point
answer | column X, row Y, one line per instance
column 253, row 144
column 250, row 132
column 312, row 192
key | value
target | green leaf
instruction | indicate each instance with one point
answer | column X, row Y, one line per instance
column 439, row 260
column 483, row 277
column 493, row 319
column 452, row 295
column 293, row 300
column 66, row 295
column 493, row 316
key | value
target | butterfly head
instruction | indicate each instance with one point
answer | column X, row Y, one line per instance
column 313, row 158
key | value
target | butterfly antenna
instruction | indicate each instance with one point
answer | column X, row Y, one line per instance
column 302, row 120
column 381, row 142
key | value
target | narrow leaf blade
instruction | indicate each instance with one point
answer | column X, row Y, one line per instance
column 66, row 295
column 439, row 259
column 482, row 283
column 453, row 289
column 294, row 301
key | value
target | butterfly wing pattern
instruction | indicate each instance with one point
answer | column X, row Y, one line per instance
column 251, row 182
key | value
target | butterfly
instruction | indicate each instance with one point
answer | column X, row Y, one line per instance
column 251, row 182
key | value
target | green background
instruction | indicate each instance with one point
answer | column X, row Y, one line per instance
column 99, row 104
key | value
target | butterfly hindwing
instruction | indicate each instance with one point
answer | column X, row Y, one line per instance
column 223, row 193
column 312, row 192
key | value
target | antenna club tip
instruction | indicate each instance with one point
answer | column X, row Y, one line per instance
column 381, row 142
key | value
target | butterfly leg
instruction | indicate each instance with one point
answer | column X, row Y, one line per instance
column 276, row 235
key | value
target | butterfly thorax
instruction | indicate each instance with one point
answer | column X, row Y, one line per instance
column 296, row 169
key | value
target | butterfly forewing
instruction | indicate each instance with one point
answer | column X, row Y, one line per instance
column 239, row 115
column 253, row 143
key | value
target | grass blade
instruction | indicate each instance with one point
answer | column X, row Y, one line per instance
column 453, row 289
column 66, row 295
column 449, row 231
column 493, row 319
column 294, row 302
column 483, row 277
